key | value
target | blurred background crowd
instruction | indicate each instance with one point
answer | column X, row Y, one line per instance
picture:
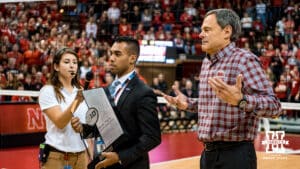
column 30, row 34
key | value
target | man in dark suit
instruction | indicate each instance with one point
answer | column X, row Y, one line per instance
column 135, row 107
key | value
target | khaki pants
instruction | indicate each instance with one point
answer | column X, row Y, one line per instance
column 57, row 160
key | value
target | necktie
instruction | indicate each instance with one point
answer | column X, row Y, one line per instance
column 112, row 88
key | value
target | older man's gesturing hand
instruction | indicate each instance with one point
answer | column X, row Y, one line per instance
column 231, row 94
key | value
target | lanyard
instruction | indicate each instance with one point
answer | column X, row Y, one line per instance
column 124, row 84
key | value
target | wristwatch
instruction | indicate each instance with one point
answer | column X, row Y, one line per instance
column 243, row 103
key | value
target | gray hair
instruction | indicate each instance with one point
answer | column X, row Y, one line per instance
column 227, row 17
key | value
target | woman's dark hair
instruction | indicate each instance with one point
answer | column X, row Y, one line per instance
column 54, row 81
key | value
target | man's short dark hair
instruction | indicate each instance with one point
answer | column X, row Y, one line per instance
column 133, row 44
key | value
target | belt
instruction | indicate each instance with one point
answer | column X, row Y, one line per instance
column 52, row 149
column 223, row 145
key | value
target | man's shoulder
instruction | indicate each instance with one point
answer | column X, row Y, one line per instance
column 142, row 88
column 141, row 85
column 245, row 59
column 243, row 52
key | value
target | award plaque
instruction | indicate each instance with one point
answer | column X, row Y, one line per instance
column 102, row 114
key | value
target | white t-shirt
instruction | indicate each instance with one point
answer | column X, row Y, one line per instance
column 261, row 8
column 280, row 27
column 246, row 22
column 65, row 139
column 113, row 13
column 91, row 28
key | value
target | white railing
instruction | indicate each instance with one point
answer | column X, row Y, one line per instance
column 19, row 93
column 284, row 105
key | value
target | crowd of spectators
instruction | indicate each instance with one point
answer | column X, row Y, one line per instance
column 31, row 32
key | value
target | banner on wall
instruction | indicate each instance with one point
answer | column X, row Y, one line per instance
column 21, row 119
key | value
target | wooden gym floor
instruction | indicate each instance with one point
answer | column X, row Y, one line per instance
column 177, row 151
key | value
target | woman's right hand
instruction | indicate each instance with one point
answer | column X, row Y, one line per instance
column 76, row 125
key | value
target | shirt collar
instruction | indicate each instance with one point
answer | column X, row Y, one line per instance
column 227, row 51
column 125, row 77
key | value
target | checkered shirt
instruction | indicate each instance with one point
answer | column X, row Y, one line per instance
column 219, row 121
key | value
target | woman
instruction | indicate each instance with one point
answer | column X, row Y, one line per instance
column 60, row 100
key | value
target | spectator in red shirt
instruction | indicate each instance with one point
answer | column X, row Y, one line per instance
column 168, row 19
column 139, row 32
column 23, row 40
column 258, row 27
column 124, row 27
column 270, row 52
column 55, row 14
column 4, row 30
column 99, row 72
column 32, row 55
column 186, row 19
column 15, row 54
column 13, row 32
column 281, row 89
column 195, row 33
column 289, row 26
column 160, row 34
column 157, row 21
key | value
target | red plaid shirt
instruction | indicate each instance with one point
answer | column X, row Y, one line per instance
column 219, row 121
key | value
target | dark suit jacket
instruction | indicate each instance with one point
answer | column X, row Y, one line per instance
column 136, row 112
